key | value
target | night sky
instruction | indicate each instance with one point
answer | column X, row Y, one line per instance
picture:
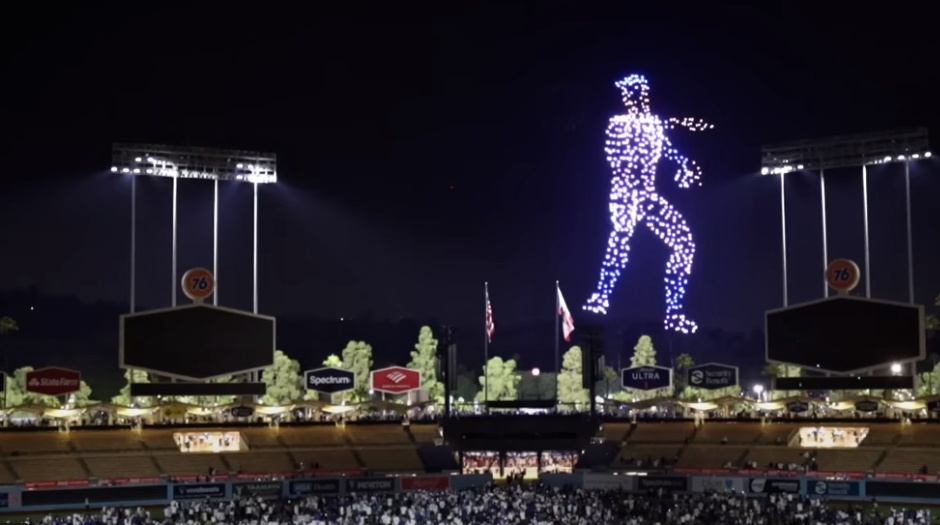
column 423, row 153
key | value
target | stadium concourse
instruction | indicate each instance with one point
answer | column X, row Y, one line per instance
column 38, row 457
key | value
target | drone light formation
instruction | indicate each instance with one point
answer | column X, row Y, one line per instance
column 636, row 141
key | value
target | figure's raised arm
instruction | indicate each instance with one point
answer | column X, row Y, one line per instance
column 689, row 173
column 689, row 123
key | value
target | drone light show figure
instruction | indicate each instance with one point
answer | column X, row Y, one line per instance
column 636, row 141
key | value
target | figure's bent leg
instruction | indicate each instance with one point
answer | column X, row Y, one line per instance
column 669, row 225
column 616, row 258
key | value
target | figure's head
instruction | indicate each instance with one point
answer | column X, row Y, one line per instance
column 635, row 91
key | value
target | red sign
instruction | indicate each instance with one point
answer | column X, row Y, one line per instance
column 396, row 380
column 426, row 483
column 53, row 381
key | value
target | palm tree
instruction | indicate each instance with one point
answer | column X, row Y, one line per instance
column 7, row 325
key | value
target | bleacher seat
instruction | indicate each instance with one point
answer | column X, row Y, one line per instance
column 425, row 433
column 335, row 460
column 105, row 440
column 711, row 456
column 260, row 462
column 158, row 440
column 656, row 432
column 182, row 464
column 630, row 454
column 35, row 442
column 847, row 460
column 377, row 435
column 123, row 466
column 49, row 469
column 717, row 432
column 777, row 433
column 615, row 431
column 392, row 460
column 262, row 438
column 7, row 477
column 920, row 435
column 768, row 457
column 910, row 461
column 312, row 436
column 880, row 435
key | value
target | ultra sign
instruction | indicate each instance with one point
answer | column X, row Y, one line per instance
column 330, row 380
column 646, row 377
column 712, row 376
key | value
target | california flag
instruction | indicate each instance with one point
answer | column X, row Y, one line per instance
column 567, row 322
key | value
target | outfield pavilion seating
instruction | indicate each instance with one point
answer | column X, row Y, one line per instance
column 158, row 439
column 105, row 441
column 632, row 453
column 122, row 466
column 404, row 459
column 659, row 433
column 377, row 435
column 910, row 461
column 260, row 462
column 30, row 443
column 615, row 432
column 765, row 455
column 880, row 435
column 312, row 436
column 7, row 477
column 48, row 469
column 711, row 456
column 338, row 459
column 425, row 433
column 737, row 433
column 847, row 460
column 183, row 464
column 920, row 435
column 778, row 433
column 262, row 438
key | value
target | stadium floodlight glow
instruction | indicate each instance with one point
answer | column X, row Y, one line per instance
column 849, row 151
column 636, row 141
column 193, row 163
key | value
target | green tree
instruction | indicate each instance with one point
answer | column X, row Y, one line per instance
column 503, row 380
column 644, row 354
column 680, row 375
column 8, row 325
column 357, row 357
column 18, row 395
column 209, row 401
column 124, row 396
column 333, row 361
column 283, row 382
column 571, row 394
column 424, row 359
column 928, row 383
column 773, row 370
column 933, row 323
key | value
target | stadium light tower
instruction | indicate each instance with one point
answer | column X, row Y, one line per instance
column 847, row 152
column 193, row 163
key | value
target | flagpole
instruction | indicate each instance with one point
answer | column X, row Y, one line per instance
column 486, row 343
column 557, row 317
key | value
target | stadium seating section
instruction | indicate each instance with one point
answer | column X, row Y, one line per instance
column 80, row 454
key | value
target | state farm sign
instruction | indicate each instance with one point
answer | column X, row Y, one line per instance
column 396, row 380
column 53, row 381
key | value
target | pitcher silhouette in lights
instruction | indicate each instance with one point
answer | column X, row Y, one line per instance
column 636, row 141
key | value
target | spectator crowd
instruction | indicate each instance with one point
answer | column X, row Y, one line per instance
column 509, row 505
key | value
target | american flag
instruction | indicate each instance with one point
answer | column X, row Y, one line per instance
column 567, row 321
column 490, row 324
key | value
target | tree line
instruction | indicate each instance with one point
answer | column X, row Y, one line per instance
column 506, row 382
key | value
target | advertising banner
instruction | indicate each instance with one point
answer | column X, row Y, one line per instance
column 902, row 490
column 199, row 491
column 371, row 485
column 718, row 484
column 396, row 380
column 712, row 376
column 833, row 488
column 53, row 381
column 797, row 407
column 646, row 377
column 666, row 483
column 425, row 483
column 305, row 487
column 774, row 486
column 330, row 380
column 94, row 496
column 258, row 489
column 608, row 482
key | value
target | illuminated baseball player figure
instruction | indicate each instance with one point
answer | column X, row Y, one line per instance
column 636, row 141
